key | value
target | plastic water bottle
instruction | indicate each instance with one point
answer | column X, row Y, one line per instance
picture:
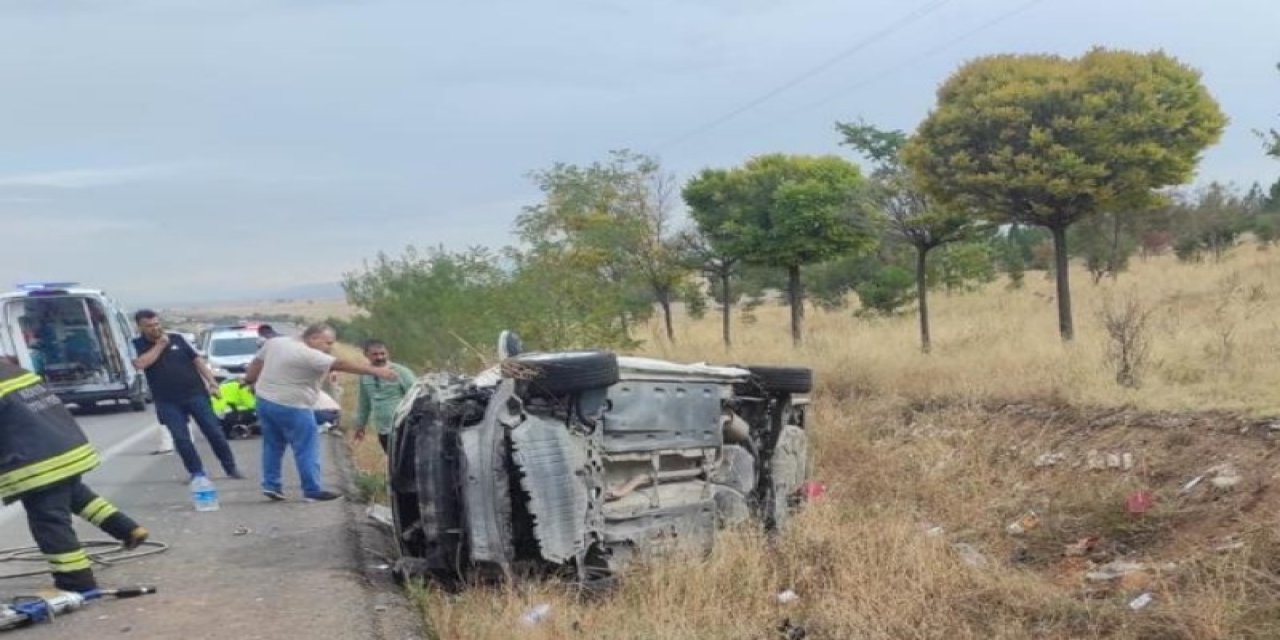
column 203, row 494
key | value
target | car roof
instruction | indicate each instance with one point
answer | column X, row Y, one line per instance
column 52, row 292
column 232, row 332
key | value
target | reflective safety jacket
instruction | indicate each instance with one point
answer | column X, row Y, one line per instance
column 234, row 396
column 40, row 443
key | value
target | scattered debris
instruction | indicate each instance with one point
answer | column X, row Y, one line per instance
column 1082, row 547
column 380, row 608
column 1225, row 477
column 1140, row 602
column 380, row 514
column 536, row 614
column 242, row 531
column 1029, row 520
column 792, row 631
column 1228, row 543
column 813, row 490
column 1140, row 502
column 1097, row 461
column 970, row 555
column 1094, row 460
column 1191, row 484
column 788, row 596
column 1113, row 570
column 1049, row 460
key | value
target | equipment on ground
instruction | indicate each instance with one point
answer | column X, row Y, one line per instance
column 44, row 607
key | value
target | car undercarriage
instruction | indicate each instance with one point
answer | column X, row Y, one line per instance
column 576, row 462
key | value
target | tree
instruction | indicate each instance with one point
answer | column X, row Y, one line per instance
column 783, row 211
column 912, row 217
column 1105, row 242
column 712, row 255
column 1048, row 141
column 429, row 304
column 611, row 219
column 1209, row 221
column 1271, row 138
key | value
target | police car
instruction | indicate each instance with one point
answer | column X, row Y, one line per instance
column 230, row 349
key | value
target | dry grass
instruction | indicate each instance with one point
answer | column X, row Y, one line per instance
column 905, row 443
column 1215, row 339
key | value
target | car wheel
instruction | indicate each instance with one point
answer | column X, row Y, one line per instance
column 557, row 374
column 776, row 380
column 788, row 470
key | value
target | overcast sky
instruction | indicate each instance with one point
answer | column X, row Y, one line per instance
column 172, row 150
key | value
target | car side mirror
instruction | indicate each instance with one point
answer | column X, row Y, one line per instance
column 509, row 345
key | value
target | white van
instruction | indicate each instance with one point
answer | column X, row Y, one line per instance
column 77, row 339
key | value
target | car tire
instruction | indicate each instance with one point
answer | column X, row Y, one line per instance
column 557, row 374
column 776, row 380
column 788, row 470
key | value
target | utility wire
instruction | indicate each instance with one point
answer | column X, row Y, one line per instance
column 897, row 25
column 1022, row 8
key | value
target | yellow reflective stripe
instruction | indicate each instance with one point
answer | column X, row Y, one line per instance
column 38, row 474
column 20, row 382
column 76, row 560
column 98, row 510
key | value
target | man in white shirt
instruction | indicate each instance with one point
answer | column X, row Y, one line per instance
column 287, row 374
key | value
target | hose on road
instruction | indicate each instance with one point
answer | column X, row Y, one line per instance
column 104, row 553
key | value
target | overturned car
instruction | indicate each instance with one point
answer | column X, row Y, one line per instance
column 575, row 462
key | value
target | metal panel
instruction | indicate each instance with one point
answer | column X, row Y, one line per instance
column 552, row 462
column 649, row 415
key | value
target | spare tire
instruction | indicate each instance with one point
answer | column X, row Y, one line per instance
column 557, row 374
column 772, row 380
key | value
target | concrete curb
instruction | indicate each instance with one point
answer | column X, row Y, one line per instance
column 393, row 614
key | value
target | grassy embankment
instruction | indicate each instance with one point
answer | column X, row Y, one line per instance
column 909, row 442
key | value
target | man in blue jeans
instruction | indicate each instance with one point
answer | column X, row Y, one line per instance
column 181, row 384
column 286, row 374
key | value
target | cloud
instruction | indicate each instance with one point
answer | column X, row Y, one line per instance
column 84, row 178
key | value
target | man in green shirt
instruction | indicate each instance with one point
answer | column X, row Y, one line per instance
column 377, row 398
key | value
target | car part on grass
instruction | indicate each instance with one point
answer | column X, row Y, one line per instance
column 789, row 468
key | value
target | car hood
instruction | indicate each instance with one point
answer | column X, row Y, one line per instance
column 230, row 361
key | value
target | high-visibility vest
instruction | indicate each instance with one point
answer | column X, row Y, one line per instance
column 40, row 442
column 234, row 396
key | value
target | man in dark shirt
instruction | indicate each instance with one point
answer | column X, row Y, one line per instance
column 181, row 384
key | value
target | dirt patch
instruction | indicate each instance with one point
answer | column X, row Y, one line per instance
column 1103, row 503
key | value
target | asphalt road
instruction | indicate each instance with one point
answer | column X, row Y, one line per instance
column 254, row 569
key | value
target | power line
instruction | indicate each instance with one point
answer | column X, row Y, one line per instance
column 899, row 24
column 1022, row 8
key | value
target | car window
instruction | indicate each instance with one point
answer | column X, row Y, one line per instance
column 233, row 346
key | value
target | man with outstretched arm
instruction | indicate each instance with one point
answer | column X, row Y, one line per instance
column 287, row 374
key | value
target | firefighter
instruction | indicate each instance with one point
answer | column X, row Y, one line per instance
column 43, row 453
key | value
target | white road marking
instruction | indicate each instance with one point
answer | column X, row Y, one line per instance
column 12, row 511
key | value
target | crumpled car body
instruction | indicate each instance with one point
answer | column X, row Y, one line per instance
column 576, row 462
